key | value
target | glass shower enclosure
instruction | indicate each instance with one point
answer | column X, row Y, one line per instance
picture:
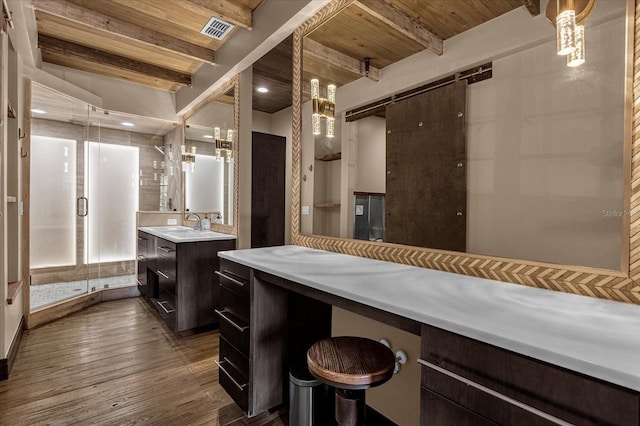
column 86, row 183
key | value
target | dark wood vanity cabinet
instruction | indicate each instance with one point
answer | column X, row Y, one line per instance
column 263, row 329
column 179, row 279
column 549, row 390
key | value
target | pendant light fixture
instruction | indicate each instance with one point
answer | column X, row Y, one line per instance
column 323, row 108
column 568, row 16
column 577, row 57
column 566, row 27
column 224, row 145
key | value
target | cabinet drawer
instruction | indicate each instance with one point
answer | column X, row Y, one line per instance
column 239, row 360
column 142, row 239
column 566, row 395
column 233, row 282
column 166, row 248
column 236, row 386
column 165, row 304
column 235, row 268
column 234, row 330
column 168, row 285
column 438, row 411
column 234, row 303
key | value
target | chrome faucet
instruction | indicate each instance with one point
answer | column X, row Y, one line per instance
column 198, row 225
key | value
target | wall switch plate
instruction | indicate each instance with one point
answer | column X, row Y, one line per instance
column 305, row 209
column 172, row 221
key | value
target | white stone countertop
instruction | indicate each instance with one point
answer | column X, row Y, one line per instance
column 184, row 234
column 596, row 337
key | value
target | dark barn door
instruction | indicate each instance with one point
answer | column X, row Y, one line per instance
column 426, row 192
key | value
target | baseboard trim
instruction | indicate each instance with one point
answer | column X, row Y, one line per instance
column 6, row 364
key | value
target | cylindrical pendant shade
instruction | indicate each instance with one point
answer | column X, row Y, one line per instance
column 565, row 27
column 578, row 56
column 331, row 126
column 315, row 123
column 315, row 88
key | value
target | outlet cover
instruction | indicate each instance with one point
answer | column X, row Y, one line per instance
column 172, row 221
column 305, row 209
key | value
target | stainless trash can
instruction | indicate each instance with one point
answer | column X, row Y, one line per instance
column 310, row 400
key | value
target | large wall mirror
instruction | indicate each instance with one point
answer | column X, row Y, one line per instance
column 209, row 158
column 494, row 150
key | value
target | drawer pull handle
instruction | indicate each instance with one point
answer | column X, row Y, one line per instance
column 163, row 274
column 140, row 257
column 161, row 304
column 219, row 364
column 495, row 394
column 233, row 280
column 230, row 321
column 142, row 239
column 165, row 249
column 140, row 282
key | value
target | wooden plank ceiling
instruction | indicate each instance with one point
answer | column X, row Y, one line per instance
column 152, row 42
column 387, row 31
column 158, row 42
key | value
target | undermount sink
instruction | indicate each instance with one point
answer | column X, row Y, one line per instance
column 185, row 234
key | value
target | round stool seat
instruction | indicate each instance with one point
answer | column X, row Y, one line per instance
column 352, row 363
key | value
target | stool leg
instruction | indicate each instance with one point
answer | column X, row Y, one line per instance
column 350, row 407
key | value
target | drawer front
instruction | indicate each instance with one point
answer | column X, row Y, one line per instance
column 231, row 281
column 166, row 248
column 235, row 385
column 143, row 240
column 167, row 284
column 233, row 356
column 235, row 303
column 235, row 268
column 438, row 411
column 165, row 304
column 566, row 395
column 142, row 270
column 234, row 330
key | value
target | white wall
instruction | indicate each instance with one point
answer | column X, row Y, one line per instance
column 261, row 122
column 120, row 95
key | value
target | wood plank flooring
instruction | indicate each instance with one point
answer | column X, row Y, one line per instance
column 117, row 363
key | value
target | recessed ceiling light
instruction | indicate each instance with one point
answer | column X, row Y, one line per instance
column 38, row 111
column 208, row 136
column 262, row 89
column 127, row 124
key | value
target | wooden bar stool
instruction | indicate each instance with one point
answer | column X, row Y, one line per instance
column 351, row 365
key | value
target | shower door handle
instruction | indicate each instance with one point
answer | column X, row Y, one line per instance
column 82, row 206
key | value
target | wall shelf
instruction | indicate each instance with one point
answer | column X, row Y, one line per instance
column 12, row 290
column 330, row 157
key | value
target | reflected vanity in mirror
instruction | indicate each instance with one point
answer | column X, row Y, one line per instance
column 478, row 156
column 209, row 158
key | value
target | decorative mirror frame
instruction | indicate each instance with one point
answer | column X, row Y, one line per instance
column 234, row 84
column 622, row 285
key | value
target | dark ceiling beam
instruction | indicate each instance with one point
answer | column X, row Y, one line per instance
column 533, row 6
column 99, row 57
column 228, row 11
column 401, row 22
column 339, row 59
column 117, row 27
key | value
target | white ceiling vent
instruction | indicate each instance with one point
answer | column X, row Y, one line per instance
column 216, row 28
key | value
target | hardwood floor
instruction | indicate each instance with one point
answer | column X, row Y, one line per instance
column 117, row 363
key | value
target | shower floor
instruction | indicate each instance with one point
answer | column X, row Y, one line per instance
column 49, row 294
